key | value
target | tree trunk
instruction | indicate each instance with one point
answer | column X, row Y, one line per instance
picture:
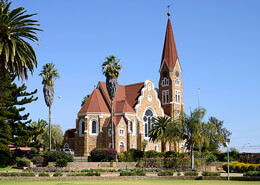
column 48, row 92
column 112, row 127
column 192, row 157
column 50, row 126
column 112, row 85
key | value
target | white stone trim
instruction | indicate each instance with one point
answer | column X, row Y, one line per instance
column 162, row 66
column 90, row 127
column 142, row 96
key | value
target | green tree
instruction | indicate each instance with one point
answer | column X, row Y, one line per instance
column 14, row 124
column 49, row 73
column 111, row 69
column 159, row 130
column 84, row 100
column 144, row 144
column 38, row 133
column 193, row 130
column 16, row 54
column 56, row 138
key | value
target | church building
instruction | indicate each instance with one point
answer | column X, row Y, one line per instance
column 135, row 108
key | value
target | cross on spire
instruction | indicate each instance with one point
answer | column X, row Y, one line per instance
column 169, row 13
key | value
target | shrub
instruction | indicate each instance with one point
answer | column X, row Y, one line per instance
column 33, row 151
column 206, row 173
column 22, row 162
column 44, row 174
column 37, row 160
column 54, row 156
column 4, row 158
column 191, row 173
column 28, row 174
column 57, row 174
column 251, row 173
column 61, row 163
column 132, row 155
column 252, row 167
column 126, row 173
column 171, row 154
column 211, row 158
column 151, row 154
column 165, row 173
column 85, row 174
column 244, row 167
column 140, row 173
column 103, row 154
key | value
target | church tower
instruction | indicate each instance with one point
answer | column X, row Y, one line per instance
column 170, row 83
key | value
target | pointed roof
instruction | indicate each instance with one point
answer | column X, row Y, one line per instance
column 95, row 104
column 126, row 96
column 169, row 54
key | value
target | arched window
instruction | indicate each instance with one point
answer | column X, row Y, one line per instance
column 165, row 82
column 93, row 127
column 81, row 127
column 148, row 121
column 66, row 145
column 132, row 127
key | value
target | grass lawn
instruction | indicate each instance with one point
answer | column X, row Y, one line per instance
column 126, row 182
column 9, row 168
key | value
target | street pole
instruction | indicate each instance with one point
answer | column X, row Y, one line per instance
column 228, row 162
column 198, row 108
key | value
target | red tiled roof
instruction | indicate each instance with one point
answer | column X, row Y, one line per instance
column 71, row 132
column 126, row 97
column 95, row 103
column 116, row 120
column 169, row 50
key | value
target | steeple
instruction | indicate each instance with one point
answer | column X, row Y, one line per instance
column 169, row 54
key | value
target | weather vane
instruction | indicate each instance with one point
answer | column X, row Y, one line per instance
column 169, row 13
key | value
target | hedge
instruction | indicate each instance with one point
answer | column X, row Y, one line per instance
column 22, row 162
column 191, row 173
column 252, row 173
column 165, row 173
column 206, row 173
column 54, row 156
column 132, row 173
column 85, row 174
column 237, row 167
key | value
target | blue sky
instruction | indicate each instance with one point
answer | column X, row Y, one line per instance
column 218, row 44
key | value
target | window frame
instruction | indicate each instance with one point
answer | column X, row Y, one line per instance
column 90, row 127
column 165, row 97
column 82, row 132
column 122, row 129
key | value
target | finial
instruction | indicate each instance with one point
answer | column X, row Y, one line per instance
column 169, row 13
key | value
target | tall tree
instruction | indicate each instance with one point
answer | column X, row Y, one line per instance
column 14, row 124
column 193, row 131
column 16, row 54
column 111, row 69
column 49, row 73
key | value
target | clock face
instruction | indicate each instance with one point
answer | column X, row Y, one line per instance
column 165, row 74
column 177, row 73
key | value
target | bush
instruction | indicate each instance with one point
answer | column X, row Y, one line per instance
column 244, row 167
column 28, row 174
column 206, row 173
column 37, row 160
column 44, row 174
column 165, row 173
column 251, row 173
column 54, row 156
column 132, row 173
column 171, row 154
column 61, row 163
column 131, row 155
column 33, row 151
column 151, row 154
column 252, row 167
column 140, row 173
column 4, row 159
column 103, row 155
column 211, row 158
column 191, row 173
column 22, row 162
column 85, row 174
column 57, row 174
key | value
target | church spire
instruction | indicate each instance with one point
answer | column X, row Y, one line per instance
column 169, row 54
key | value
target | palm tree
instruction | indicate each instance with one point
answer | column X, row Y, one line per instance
column 16, row 54
column 193, row 131
column 111, row 69
column 49, row 73
column 159, row 130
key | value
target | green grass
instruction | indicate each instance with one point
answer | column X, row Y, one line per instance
column 127, row 182
column 9, row 168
